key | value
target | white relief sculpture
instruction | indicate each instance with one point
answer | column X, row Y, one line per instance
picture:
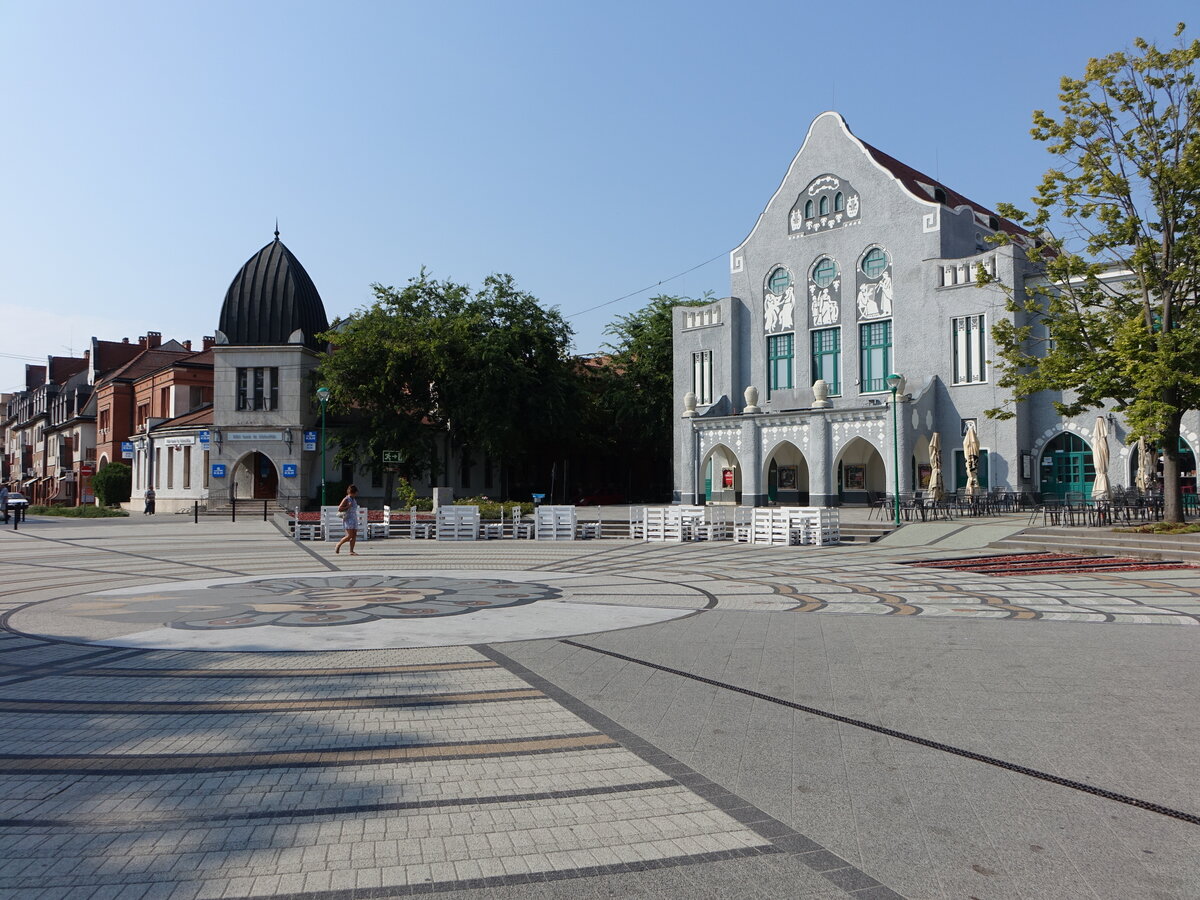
column 885, row 294
column 797, row 219
column 852, row 207
column 868, row 304
column 779, row 310
column 875, row 298
column 771, row 303
column 825, row 182
column 824, row 308
column 787, row 309
column 737, row 264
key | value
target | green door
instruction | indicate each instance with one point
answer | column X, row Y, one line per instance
column 1067, row 467
column 773, row 481
column 708, row 482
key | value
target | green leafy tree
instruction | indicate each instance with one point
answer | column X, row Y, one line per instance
column 1119, row 244
column 487, row 370
column 635, row 390
column 113, row 484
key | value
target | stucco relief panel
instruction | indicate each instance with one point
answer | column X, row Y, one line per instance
column 779, row 310
column 825, row 301
column 828, row 202
column 873, row 299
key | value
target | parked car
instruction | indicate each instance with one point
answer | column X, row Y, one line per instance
column 17, row 501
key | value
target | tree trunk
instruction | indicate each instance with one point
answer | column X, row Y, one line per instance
column 1172, row 497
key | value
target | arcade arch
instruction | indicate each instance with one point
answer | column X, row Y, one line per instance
column 1187, row 467
column 860, row 471
column 1066, row 467
column 786, row 475
column 722, row 476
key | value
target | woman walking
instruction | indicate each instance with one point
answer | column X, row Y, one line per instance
column 348, row 510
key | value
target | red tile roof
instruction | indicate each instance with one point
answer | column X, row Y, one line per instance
column 922, row 186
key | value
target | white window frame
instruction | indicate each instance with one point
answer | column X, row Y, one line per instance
column 968, row 349
column 702, row 377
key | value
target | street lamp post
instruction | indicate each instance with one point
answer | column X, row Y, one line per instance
column 323, row 396
column 893, row 382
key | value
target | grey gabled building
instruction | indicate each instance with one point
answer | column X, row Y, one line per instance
column 860, row 267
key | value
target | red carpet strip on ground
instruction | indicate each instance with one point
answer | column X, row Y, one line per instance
column 1047, row 564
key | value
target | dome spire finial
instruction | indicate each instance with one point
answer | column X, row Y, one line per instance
column 277, row 228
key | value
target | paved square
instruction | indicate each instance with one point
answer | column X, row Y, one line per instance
column 600, row 718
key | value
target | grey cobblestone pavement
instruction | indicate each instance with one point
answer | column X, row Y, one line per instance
column 375, row 745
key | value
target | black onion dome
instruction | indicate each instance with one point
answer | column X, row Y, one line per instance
column 270, row 297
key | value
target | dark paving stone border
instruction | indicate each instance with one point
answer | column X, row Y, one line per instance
column 202, row 707
column 190, row 763
column 782, row 838
column 154, row 820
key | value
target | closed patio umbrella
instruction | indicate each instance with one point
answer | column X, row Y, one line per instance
column 971, row 455
column 1100, row 488
column 1144, row 469
column 937, row 489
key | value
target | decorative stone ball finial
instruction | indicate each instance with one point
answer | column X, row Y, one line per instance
column 751, row 395
column 689, row 404
column 821, row 394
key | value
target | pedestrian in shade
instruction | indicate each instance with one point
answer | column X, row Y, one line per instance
column 149, row 510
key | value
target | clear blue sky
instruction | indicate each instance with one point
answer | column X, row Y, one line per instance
column 590, row 150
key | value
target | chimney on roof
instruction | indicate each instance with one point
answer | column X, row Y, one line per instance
column 124, row 340
column 150, row 340
column 209, row 341
column 187, row 345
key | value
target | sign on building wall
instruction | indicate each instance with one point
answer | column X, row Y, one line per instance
column 187, row 441
column 205, row 436
column 218, row 470
column 310, row 440
column 254, row 436
column 126, row 449
column 289, row 470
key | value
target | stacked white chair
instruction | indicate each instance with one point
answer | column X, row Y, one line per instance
column 554, row 523
column 521, row 527
column 662, row 524
column 332, row 526
column 417, row 528
column 457, row 523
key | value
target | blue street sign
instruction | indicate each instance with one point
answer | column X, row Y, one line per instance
column 218, row 470
column 289, row 470
column 310, row 440
column 204, row 437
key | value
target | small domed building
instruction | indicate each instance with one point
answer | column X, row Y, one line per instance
column 265, row 352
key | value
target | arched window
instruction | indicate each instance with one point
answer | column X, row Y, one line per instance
column 823, row 205
column 874, row 263
column 779, row 281
column 939, row 196
column 839, row 202
column 824, row 272
column 808, row 210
